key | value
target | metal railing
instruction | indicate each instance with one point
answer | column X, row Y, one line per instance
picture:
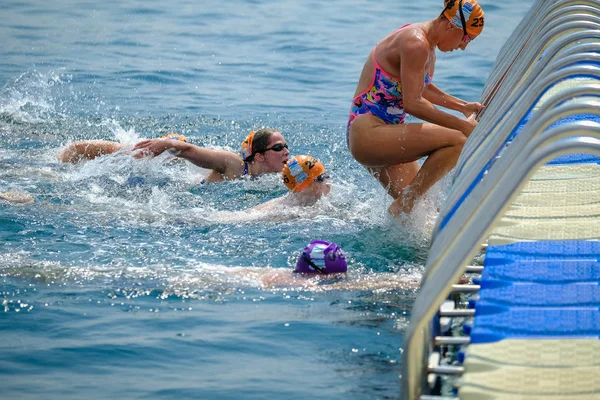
column 536, row 18
column 476, row 174
column 520, row 80
column 555, row 50
column 459, row 243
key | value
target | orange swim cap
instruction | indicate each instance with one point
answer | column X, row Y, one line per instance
column 471, row 11
column 174, row 136
column 246, row 150
column 301, row 171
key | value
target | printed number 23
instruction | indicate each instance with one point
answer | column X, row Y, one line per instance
column 478, row 21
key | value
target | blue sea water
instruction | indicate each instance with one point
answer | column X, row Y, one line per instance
column 126, row 278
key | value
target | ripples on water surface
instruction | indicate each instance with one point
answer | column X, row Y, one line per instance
column 128, row 272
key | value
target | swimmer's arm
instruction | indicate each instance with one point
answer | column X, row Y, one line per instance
column 268, row 205
column 87, row 150
column 365, row 284
column 278, row 278
column 414, row 55
column 17, row 197
column 222, row 161
column 440, row 98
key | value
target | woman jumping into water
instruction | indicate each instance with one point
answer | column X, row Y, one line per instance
column 395, row 80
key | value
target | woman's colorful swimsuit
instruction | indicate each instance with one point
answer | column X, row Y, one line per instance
column 383, row 98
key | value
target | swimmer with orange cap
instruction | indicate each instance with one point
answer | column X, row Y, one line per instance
column 397, row 79
column 264, row 151
column 307, row 181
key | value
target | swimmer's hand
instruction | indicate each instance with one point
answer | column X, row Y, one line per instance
column 471, row 124
column 154, row 147
column 472, row 108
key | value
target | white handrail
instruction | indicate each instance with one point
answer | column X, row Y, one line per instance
column 460, row 243
column 472, row 176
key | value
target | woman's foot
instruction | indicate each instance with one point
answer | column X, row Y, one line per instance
column 402, row 205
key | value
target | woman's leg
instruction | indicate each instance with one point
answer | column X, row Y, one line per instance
column 390, row 153
column 88, row 150
column 395, row 178
column 437, row 165
column 375, row 144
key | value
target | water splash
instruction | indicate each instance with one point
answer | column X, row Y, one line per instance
column 31, row 97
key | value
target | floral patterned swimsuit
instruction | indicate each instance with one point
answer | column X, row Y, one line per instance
column 383, row 98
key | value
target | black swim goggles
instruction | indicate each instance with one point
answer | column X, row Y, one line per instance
column 276, row 147
column 466, row 38
column 322, row 178
column 312, row 264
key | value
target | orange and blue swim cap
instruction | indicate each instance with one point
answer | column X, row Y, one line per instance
column 246, row 150
column 471, row 11
column 174, row 136
column 301, row 171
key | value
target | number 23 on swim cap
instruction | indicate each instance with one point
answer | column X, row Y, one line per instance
column 301, row 171
column 472, row 12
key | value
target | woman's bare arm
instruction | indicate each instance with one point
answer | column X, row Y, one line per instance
column 440, row 98
column 414, row 55
column 224, row 162
column 88, row 150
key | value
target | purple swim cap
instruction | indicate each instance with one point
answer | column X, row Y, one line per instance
column 323, row 257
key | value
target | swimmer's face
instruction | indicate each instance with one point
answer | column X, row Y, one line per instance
column 453, row 39
column 320, row 187
column 323, row 187
column 313, row 192
column 275, row 160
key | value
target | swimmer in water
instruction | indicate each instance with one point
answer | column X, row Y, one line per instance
column 397, row 79
column 264, row 151
column 318, row 259
column 321, row 266
column 307, row 181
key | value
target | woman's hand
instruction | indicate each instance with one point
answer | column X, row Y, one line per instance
column 152, row 147
column 471, row 123
column 471, row 108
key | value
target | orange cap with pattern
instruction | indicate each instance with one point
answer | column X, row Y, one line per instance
column 174, row 136
column 301, row 171
column 472, row 13
column 246, row 150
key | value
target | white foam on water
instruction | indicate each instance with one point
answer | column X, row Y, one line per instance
column 29, row 97
column 129, row 137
